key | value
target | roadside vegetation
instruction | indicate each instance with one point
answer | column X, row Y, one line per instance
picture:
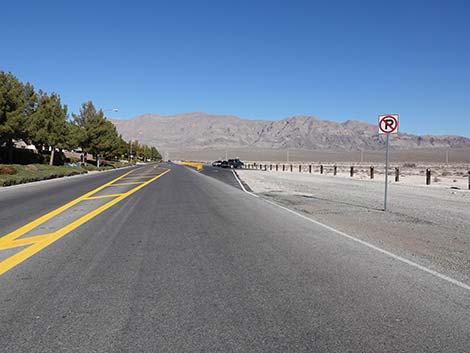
column 19, row 174
column 36, row 118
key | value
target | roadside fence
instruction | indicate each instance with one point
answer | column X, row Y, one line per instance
column 321, row 168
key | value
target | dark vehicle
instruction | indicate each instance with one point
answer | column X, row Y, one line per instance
column 235, row 163
column 216, row 163
column 225, row 164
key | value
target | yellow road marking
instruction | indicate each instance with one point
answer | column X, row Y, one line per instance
column 46, row 240
column 129, row 183
column 23, row 241
column 26, row 228
column 138, row 177
column 102, row 196
column 143, row 176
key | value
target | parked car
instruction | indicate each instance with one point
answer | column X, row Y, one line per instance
column 216, row 163
column 225, row 164
column 235, row 163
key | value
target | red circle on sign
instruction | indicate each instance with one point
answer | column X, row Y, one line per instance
column 392, row 127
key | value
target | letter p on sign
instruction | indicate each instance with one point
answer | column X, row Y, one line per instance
column 388, row 124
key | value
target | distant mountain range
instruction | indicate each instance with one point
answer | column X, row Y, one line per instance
column 201, row 131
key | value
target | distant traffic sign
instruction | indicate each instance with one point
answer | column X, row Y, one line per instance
column 388, row 124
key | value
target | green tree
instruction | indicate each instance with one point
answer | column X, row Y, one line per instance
column 48, row 125
column 17, row 103
column 144, row 152
column 96, row 134
column 154, row 154
column 121, row 150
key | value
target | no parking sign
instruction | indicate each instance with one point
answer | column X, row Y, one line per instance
column 388, row 124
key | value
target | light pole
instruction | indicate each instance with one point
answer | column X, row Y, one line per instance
column 114, row 110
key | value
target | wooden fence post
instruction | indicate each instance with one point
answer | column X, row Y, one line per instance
column 397, row 174
column 428, row 176
column 372, row 172
column 291, row 168
column 335, row 169
column 300, row 168
column 310, row 169
column 321, row 169
column 351, row 173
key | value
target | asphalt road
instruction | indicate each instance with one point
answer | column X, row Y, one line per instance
column 189, row 263
column 223, row 174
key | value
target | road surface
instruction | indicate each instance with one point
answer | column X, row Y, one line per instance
column 166, row 259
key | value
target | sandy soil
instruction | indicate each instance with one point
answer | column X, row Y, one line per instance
column 453, row 176
column 430, row 225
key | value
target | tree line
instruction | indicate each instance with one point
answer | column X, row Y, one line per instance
column 41, row 119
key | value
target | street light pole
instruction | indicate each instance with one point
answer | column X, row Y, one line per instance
column 114, row 110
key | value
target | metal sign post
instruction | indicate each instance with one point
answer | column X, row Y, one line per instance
column 387, row 154
column 388, row 124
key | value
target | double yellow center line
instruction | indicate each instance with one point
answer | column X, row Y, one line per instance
column 36, row 243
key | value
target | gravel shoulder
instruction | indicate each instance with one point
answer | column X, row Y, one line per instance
column 428, row 225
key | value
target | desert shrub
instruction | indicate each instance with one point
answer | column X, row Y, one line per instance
column 409, row 165
column 29, row 173
column 7, row 170
column 31, row 168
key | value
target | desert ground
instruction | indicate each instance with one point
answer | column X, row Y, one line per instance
column 428, row 224
column 454, row 176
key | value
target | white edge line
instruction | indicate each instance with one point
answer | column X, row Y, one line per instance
column 241, row 184
column 362, row 242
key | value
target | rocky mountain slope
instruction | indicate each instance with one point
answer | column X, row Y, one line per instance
column 205, row 131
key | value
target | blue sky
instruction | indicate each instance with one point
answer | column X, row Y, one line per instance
column 336, row 60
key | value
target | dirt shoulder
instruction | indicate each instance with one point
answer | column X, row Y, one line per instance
column 425, row 224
